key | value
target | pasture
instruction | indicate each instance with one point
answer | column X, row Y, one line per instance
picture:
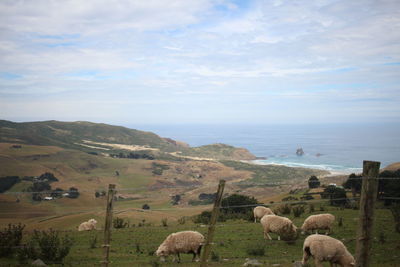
column 234, row 241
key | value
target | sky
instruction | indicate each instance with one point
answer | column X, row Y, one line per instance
column 200, row 61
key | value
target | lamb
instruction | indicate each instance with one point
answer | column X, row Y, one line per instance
column 319, row 221
column 181, row 242
column 260, row 211
column 326, row 248
column 87, row 226
column 280, row 225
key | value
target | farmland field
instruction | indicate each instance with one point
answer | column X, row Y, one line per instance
column 234, row 242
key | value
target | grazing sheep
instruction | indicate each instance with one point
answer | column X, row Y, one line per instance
column 87, row 226
column 326, row 248
column 260, row 211
column 181, row 242
column 319, row 221
column 279, row 225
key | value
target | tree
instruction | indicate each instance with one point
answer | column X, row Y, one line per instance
column 337, row 195
column 354, row 182
column 48, row 176
column 73, row 192
column 313, row 182
column 231, row 203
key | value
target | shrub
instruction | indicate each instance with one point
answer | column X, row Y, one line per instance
column 119, row 223
column 145, row 207
column 284, row 209
column 340, row 222
column 290, row 198
column 298, row 210
column 203, row 217
column 8, row 182
column 313, row 182
column 231, row 203
column 10, row 238
column 164, row 222
column 73, row 192
column 306, row 197
column 182, row 220
column 46, row 245
column 214, row 256
column 337, row 195
column 311, row 208
column 256, row 249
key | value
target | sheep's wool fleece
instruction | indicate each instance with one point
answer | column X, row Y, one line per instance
column 319, row 221
column 183, row 242
column 325, row 247
column 85, row 226
column 276, row 223
column 260, row 211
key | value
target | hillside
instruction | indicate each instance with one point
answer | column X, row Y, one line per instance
column 99, row 137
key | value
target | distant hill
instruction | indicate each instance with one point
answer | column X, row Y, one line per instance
column 392, row 167
column 89, row 136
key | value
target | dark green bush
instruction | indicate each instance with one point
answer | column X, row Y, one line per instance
column 257, row 249
column 283, row 209
column 47, row 246
column 298, row 210
column 10, row 238
column 119, row 223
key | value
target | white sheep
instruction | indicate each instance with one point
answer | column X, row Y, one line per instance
column 87, row 226
column 181, row 242
column 319, row 221
column 326, row 248
column 279, row 225
column 260, row 211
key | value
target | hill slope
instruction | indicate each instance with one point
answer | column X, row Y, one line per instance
column 88, row 136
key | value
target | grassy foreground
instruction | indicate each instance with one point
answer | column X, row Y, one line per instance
column 234, row 242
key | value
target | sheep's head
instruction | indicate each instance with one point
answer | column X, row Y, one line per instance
column 162, row 252
column 93, row 221
column 348, row 260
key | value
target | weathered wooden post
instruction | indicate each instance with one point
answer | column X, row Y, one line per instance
column 211, row 227
column 369, row 192
column 108, row 223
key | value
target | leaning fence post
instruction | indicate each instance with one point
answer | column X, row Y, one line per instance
column 211, row 227
column 107, row 225
column 369, row 192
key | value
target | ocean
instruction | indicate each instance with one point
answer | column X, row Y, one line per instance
column 333, row 147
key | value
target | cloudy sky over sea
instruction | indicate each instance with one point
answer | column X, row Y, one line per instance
column 200, row 61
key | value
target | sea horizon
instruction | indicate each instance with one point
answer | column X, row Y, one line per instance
column 335, row 147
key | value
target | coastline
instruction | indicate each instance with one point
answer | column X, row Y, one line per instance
column 332, row 171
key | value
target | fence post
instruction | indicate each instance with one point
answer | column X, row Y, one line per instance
column 107, row 225
column 369, row 192
column 211, row 227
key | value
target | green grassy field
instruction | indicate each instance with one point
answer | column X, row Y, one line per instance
column 135, row 246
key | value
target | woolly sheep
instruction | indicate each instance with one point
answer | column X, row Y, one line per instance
column 326, row 248
column 260, row 211
column 87, row 226
column 279, row 225
column 181, row 242
column 319, row 221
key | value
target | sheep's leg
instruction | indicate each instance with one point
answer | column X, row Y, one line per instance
column 269, row 237
column 179, row 258
column 305, row 257
column 255, row 219
column 194, row 255
column 316, row 231
column 279, row 237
